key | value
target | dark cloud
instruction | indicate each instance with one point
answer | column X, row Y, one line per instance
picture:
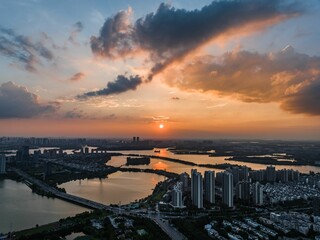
column 74, row 113
column 17, row 102
column 77, row 76
column 287, row 77
column 77, row 28
column 23, row 50
column 169, row 34
column 307, row 100
column 175, row 98
column 116, row 36
column 121, row 84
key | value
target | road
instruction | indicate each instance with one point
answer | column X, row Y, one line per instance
column 172, row 232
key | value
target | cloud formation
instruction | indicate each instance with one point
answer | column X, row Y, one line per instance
column 287, row 77
column 17, row 102
column 169, row 34
column 116, row 36
column 77, row 76
column 23, row 50
column 77, row 28
column 121, row 84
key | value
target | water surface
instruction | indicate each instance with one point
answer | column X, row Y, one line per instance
column 22, row 209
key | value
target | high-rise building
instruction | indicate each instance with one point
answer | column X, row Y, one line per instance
column 177, row 195
column 196, row 188
column 244, row 173
column 23, row 154
column 283, row 175
column 47, row 168
column 227, row 189
column 236, row 175
column 209, row 186
column 243, row 190
column 271, row 174
column 184, row 178
column 257, row 193
column 2, row 164
column 258, row 175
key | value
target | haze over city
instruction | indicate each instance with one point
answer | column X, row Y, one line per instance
column 200, row 69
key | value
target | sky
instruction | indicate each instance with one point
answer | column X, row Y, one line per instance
column 203, row 69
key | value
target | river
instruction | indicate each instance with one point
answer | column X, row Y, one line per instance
column 199, row 159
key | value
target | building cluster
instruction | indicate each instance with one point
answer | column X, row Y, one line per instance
column 300, row 222
column 238, row 228
column 281, row 192
column 240, row 184
column 271, row 175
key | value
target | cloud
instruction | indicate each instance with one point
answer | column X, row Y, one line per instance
column 121, row 84
column 307, row 100
column 175, row 98
column 115, row 36
column 170, row 34
column 23, row 49
column 287, row 77
column 154, row 119
column 74, row 113
column 160, row 118
column 17, row 102
column 77, row 76
column 77, row 28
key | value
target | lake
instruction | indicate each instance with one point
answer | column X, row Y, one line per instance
column 119, row 187
column 22, row 209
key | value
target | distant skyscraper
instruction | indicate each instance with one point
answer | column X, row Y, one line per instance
column 177, row 195
column 196, row 188
column 227, row 189
column 2, row 164
column 209, row 185
column 243, row 190
column 271, row 174
column 257, row 193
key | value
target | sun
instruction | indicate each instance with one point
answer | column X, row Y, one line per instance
column 161, row 126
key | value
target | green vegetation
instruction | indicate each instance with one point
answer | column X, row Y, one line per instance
column 192, row 228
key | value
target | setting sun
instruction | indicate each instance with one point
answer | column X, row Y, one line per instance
column 161, row 126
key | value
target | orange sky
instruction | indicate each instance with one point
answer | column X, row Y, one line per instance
column 256, row 76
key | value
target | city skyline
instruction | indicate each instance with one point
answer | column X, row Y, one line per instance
column 178, row 69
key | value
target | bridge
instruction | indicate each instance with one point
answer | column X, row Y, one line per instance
column 65, row 196
column 172, row 232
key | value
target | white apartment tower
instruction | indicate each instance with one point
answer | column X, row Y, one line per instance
column 177, row 195
column 227, row 189
column 196, row 188
column 209, row 186
column 257, row 193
